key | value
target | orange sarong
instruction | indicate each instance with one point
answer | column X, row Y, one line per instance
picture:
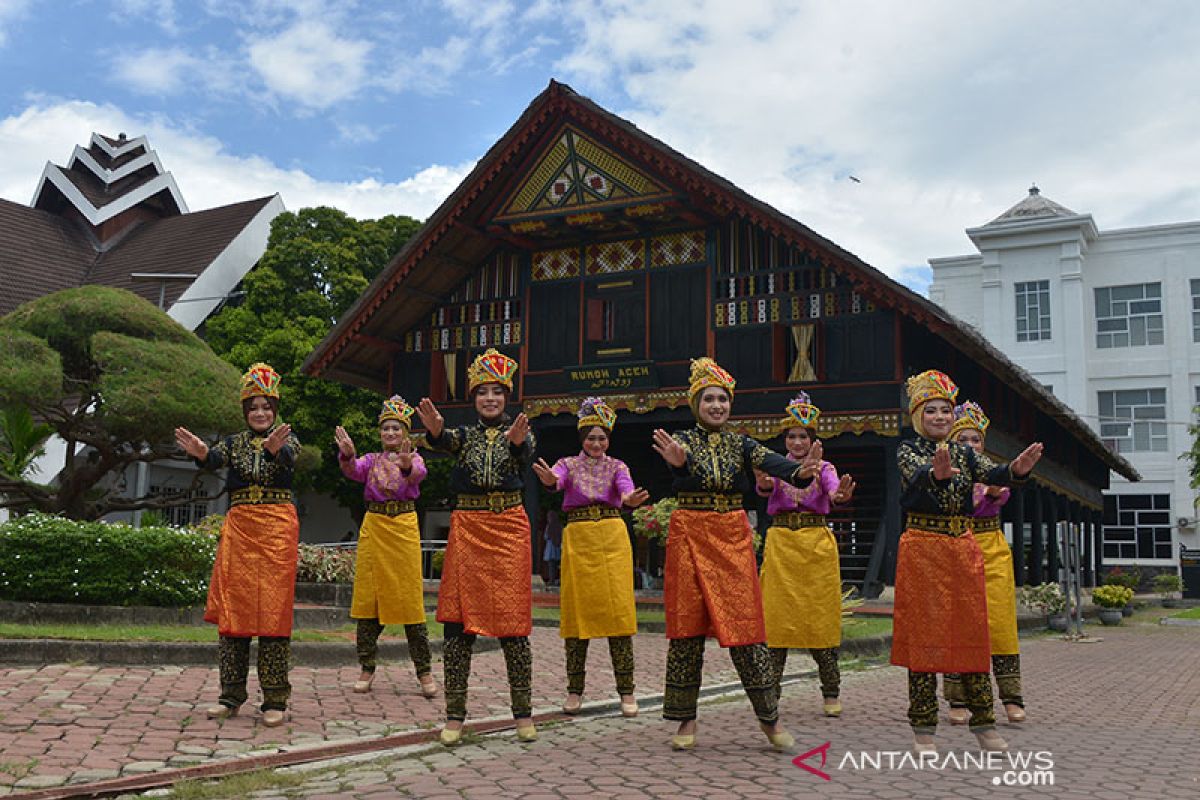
column 710, row 580
column 253, row 582
column 940, row 622
column 487, row 575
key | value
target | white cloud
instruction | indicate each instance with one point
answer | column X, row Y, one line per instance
column 311, row 64
column 431, row 71
column 945, row 110
column 163, row 12
column 207, row 175
column 157, row 70
column 10, row 10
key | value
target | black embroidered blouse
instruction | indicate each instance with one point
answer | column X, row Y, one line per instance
column 721, row 462
column 921, row 492
column 485, row 461
column 251, row 464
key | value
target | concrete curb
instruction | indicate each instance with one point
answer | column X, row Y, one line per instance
column 69, row 614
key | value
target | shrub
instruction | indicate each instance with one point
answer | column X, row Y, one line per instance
column 653, row 520
column 325, row 564
column 1119, row 576
column 44, row 558
column 1166, row 584
column 1111, row 596
column 1045, row 598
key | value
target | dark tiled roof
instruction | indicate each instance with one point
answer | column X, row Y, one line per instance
column 39, row 253
column 97, row 193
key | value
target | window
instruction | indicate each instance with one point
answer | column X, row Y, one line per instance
column 185, row 514
column 1134, row 420
column 1195, row 310
column 1033, row 311
column 1129, row 316
column 1137, row 526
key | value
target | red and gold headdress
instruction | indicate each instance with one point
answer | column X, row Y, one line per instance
column 395, row 408
column 706, row 373
column 930, row 385
column 801, row 412
column 260, row 381
column 594, row 411
column 969, row 417
column 491, row 366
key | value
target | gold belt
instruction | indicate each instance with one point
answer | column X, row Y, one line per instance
column 257, row 495
column 796, row 520
column 706, row 501
column 951, row 525
column 392, row 508
column 593, row 513
column 496, row 502
column 986, row 524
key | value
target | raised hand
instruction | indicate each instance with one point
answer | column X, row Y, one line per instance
column 191, row 444
column 845, row 490
column 670, row 449
column 764, row 481
column 811, row 464
column 431, row 418
column 344, row 442
column 1023, row 464
column 517, row 432
column 545, row 474
column 635, row 498
column 278, row 438
column 994, row 491
column 942, row 468
column 404, row 454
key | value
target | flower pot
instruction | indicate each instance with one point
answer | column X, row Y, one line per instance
column 1057, row 622
column 1127, row 610
column 1110, row 616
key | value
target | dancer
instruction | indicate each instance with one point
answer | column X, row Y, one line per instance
column 597, row 566
column 486, row 587
column 801, row 572
column 970, row 429
column 253, row 582
column 388, row 588
column 940, row 622
column 711, row 578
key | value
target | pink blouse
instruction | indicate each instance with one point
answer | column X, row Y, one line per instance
column 586, row 481
column 816, row 498
column 988, row 506
column 383, row 478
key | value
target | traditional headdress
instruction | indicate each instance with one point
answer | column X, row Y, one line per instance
column 801, row 413
column 706, row 373
column 491, row 366
column 594, row 411
column 969, row 417
column 929, row 385
column 395, row 408
column 260, row 381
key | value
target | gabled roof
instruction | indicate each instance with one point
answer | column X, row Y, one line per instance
column 452, row 243
column 1034, row 205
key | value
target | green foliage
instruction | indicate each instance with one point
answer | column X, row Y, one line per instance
column 1045, row 598
column 653, row 519
column 21, row 441
column 1119, row 576
column 325, row 564
column 1112, row 596
column 318, row 262
column 30, row 369
column 1166, row 584
column 51, row 559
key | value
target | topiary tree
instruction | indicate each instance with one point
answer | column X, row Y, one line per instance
column 113, row 376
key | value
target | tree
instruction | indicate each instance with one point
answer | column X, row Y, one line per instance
column 317, row 263
column 22, row 441
column 112, row 375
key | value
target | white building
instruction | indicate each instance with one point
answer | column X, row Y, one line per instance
column 1110, row 322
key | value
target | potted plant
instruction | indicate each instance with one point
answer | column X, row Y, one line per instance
column 1048, row 600
column 652, row 521
column 1167, row 586
column 1111, row 599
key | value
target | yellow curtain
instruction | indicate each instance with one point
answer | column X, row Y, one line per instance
column 802, row 368
column 450, row 362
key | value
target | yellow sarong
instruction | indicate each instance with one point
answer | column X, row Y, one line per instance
column 802, row 588
column 387, row 571
column 1001, row 593
column 597, row 580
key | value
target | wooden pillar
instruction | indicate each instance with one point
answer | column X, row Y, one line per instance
column 883, row 568
column 1037, row 535
column 1017, row 504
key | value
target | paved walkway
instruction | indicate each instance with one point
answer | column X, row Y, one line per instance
column 1118, row 718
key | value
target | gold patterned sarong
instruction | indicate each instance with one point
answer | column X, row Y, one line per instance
column 387, row 571
column 711, row 579
column 1001, row 593
column 254, row 576
column 487, row 574
column 940, row 619
column 802, row 588
column 597, row 580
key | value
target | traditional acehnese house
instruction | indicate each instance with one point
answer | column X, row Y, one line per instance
column 603, row 261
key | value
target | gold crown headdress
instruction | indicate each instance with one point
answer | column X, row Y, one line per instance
column 491, row 366
column 594, row 411
column 260, row 381
column 801, row 412
column 396, row 408
column 969, row 417
column 706, row 373
column 929, row 385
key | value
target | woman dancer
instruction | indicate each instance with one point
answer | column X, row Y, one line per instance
column 486, row 587
column 597, row 565
column 970, row 428
column 388, row 589
column 710, row 577
column 801, row 573
column 940, row 622
column 254, row 576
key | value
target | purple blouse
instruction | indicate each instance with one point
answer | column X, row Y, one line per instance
column 586, row 481
column 988, row 506
column 384, row 480
column 816, row 498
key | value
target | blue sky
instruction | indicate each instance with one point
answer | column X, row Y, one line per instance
column 944, row 110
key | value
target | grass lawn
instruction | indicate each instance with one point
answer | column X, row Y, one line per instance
column 180, row 633
column 1191, row 613
column 864, row 627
